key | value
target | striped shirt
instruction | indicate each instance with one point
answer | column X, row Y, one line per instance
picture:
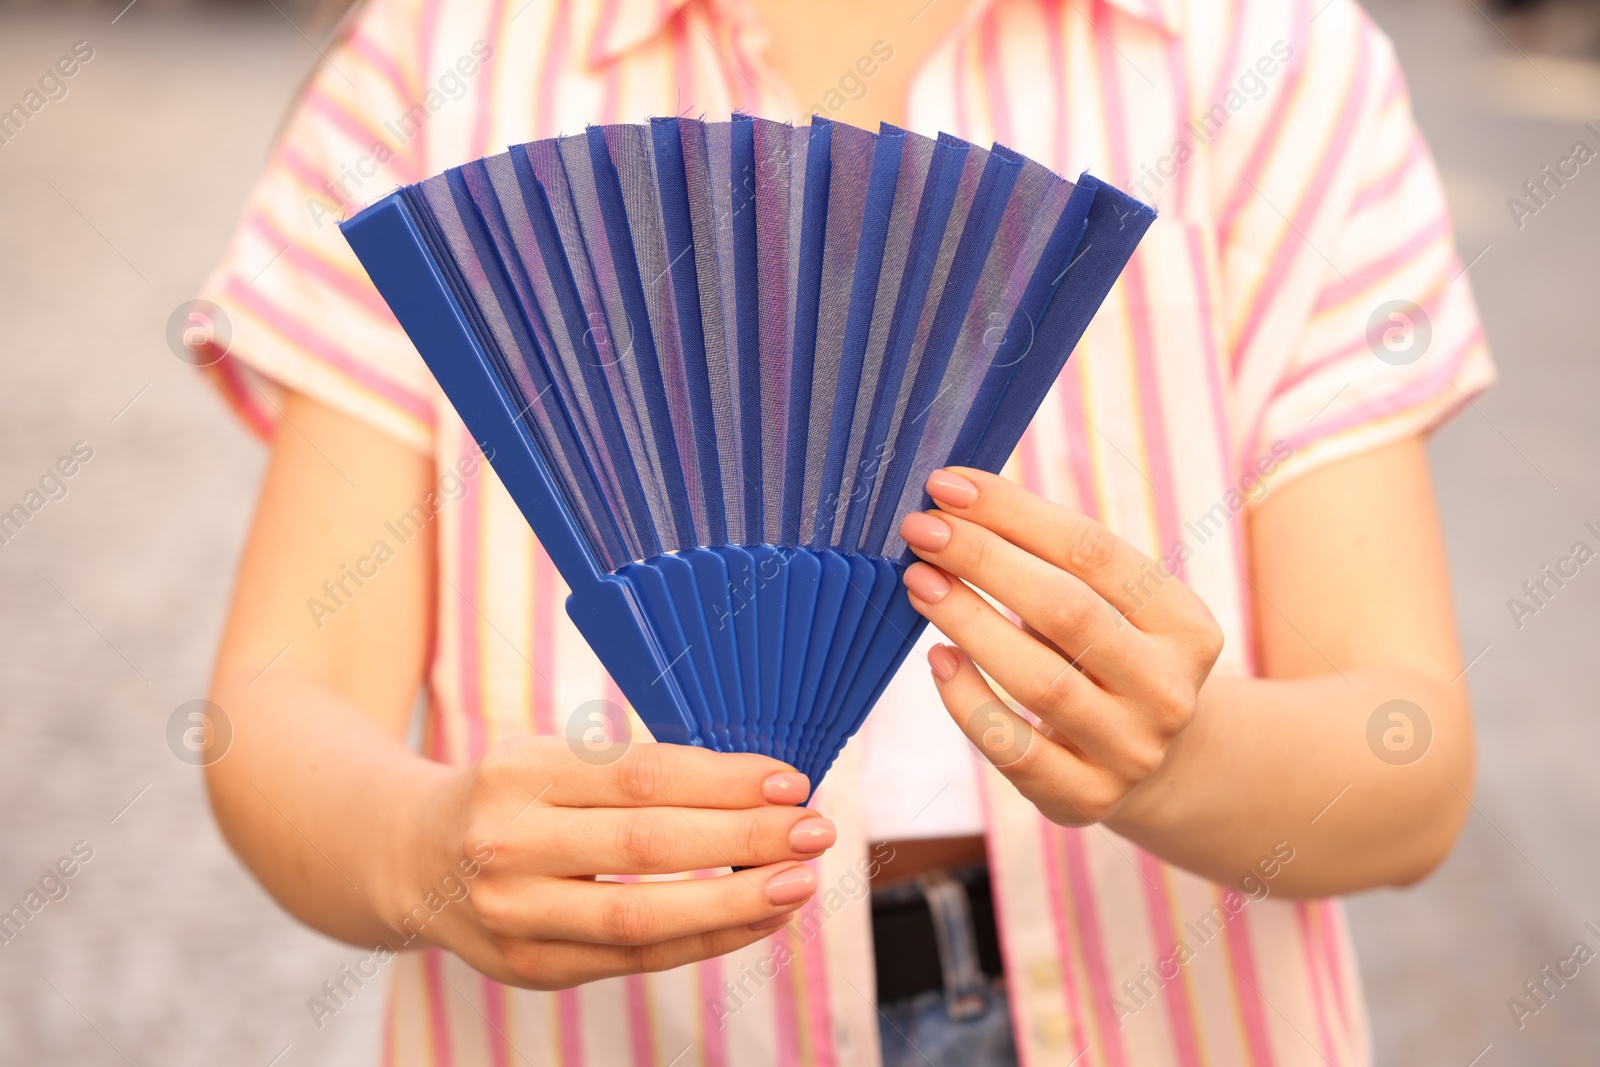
column 1298, row 301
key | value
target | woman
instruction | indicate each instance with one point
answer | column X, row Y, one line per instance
column 1218, row 534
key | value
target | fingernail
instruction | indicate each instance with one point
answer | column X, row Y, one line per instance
column 952, row 489
column 925, row 531
column 926, row 583
column 943, row 661
column 772, row 922
column 791, row 887
column 786, row 787
column 812, row 835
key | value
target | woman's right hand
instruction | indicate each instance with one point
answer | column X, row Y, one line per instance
column 523, row 834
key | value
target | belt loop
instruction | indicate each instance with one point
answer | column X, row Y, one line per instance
column 965, row 987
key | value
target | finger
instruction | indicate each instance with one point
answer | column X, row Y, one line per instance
column 1129, row 580
column 1066, row 788
column 564, row 964
column 645, row 913
column 1059, row 605
column 1037, row 677
column 582, row 841
column 650, row 775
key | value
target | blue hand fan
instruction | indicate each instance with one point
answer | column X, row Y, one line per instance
column 714, row 363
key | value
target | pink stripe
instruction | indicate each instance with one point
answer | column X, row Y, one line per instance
column 365, row 136
column 611, row 94
column 1219, row 418
column 569, row 1027
column 426, row 35
column 544, row 643
column 600, row 44
column 639, row 1029
column 1430, row 306
column 1385, row 184
column 1088, row 929
column 1333, row 949
column 1268, row 140
column 390, row 1021
column 550, row 68
column 1225, row 71
column 433, row 970
column 1049, row 834
column 314, row 343
column 1277, row 270
column 481, row 128
column 1415, row 393
column 1057, row 893
column 993, row 77
column 682, row 61
column 1058, row 77
column 958, row 56
column 1151, row 416
column 714, row 1041
column 494, row 1011
column 470, row 585
column 823, row 1053
column 1246, row 990
column 1010, row 952
column 312, row 177
column 436, row 742
column 786, row 1020
column 1027, row 453
column 1180, row 1009
column 380, row 61
column 744, row 88
column 231, row 377
column 1395, row 89
column 1358, row 282
column 1078, row 455
column 1313, row 965
column 1177, row 71
column 358, row 291
column 348, row 122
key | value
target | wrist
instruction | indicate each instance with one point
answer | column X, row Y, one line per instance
column 422, row 847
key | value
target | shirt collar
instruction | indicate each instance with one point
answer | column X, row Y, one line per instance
column 625, row 24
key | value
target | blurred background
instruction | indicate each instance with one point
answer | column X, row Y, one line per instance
column 118, row 197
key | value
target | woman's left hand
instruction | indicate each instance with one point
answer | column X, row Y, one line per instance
column 1110, row 657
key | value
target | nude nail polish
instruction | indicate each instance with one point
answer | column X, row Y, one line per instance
column 926, row 583
column 943, row 662
column 950, row 488
column 791, row 887
column 785, row 787
column 927, row 532
column 812, row 835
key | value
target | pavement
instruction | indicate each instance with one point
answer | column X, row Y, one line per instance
column 116, row 199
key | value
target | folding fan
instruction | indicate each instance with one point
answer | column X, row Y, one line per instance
column 715, row 363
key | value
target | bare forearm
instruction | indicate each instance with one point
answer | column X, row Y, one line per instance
column 1267, row 761
column 320, row 802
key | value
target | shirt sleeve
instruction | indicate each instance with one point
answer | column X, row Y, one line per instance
column 298, row 311
column 1391, row 345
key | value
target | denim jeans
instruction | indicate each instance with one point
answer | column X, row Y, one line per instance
column 918, row 1032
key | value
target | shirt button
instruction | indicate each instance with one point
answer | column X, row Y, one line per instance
column 1053, row 1029
column 1044, row 973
